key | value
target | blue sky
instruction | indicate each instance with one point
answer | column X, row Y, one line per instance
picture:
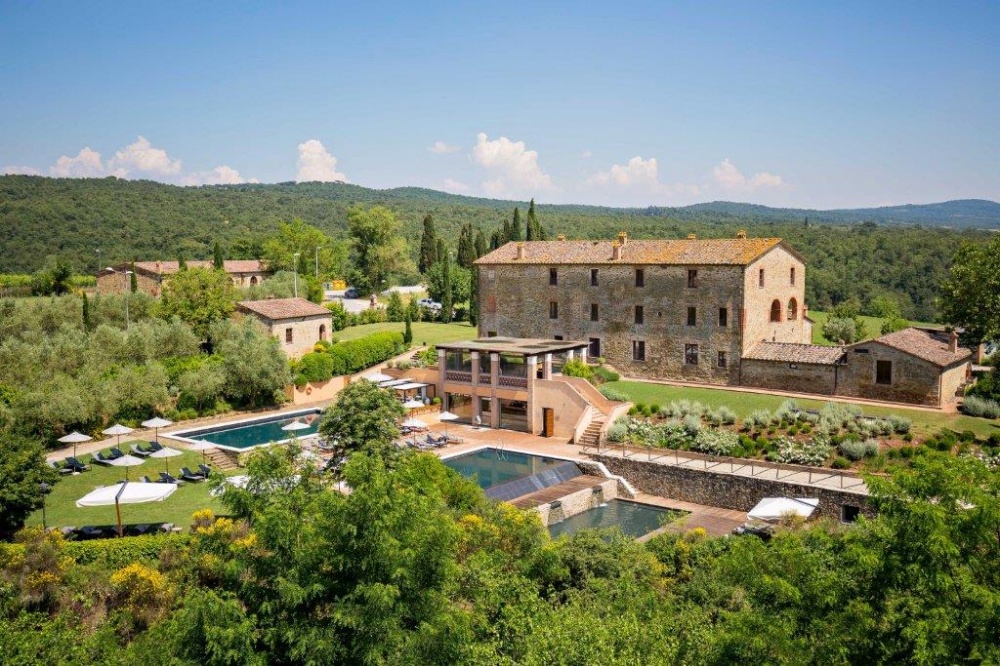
column 628, row 103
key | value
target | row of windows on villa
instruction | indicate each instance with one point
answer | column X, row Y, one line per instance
column 791, row 313
column 640, row 277
column 692, row 353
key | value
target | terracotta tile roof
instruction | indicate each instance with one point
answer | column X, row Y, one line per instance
column 928, row 344
column 284, row 308
column 789, row 352
column 231, row 266
column 719, row 251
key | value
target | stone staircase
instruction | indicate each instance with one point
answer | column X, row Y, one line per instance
column 592, row 435
column 221, row 460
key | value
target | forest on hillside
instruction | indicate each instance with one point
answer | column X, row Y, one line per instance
column 96, row 222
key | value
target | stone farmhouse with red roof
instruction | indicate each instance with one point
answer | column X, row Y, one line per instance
column 720, row 311
column 150, row 275
column 296, row 323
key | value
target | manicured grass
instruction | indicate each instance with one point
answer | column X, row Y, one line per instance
column 61, row 509
column 873, row 327
column 925, row 423
column 424, row 332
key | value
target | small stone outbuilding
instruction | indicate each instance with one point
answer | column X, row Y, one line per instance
column 151, row 275
column 298, row 324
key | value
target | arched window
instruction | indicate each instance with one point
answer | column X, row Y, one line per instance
column 793, row 309
column 776, row 310
column 253, row 280
column 322, row 331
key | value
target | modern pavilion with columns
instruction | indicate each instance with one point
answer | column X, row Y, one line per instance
column 506, row 382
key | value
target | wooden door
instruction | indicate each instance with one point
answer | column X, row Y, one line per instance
column 548, row 422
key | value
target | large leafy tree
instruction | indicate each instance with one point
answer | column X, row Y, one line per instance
column 364, row 417
column 447, row 295
column 466, row 247
column 22, row 469
column 297, row 237
column 255, row 367
column 970, row 297
column 199, row 296
column 380, row 249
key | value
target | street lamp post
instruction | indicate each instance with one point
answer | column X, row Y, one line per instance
column 45, row 488
column 295, row 274
column 317, row 262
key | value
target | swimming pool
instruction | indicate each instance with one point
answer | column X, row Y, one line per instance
column 246, row 434
column 634, row 519
column 493, row 467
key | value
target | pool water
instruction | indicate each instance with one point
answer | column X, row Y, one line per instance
column 634, row 519
column 492, row 467
column 246, row 435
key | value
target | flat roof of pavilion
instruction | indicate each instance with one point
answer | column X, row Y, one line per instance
column 516, row 346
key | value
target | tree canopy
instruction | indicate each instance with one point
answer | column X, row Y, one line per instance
column 970, row 297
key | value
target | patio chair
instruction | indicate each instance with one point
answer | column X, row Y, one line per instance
column 101, row 459
column 167, row 478
column 188, row 475
column 115, row 453
column 154, row 447
column 205, row 469
column 139, row 451
column 76, row 465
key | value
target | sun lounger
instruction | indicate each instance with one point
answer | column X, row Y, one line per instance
column 166, row 478
column 115, row 453
column 145, row 479
column 188, row 475
column 205, row 470
column 139, row 451
column 154, row 447
column 76, row 465
column 101, row 459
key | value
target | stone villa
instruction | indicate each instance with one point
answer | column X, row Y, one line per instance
column 720, row 311
column 150, row 275
column 296, row 323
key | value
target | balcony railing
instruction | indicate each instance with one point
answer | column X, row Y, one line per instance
column 485, row 378
column 458, row 376
column 513, row 382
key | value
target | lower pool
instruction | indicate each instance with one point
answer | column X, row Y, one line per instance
column 249, row 433
column 492, row 467
column 634, row 519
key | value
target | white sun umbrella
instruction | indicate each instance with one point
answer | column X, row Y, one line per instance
column 772, row 509
column 156, row 424
column 165, row 452
column 126, row 493
column 202, row 446
column 75, row 438
column 295, row 425
column 117, row 430
column 413, row 403
column 377, row 377
column 416, row 424
column 126, row 461
column 444, row 417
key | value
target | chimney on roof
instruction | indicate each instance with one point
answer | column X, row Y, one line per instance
column 953, row 342
column 561, row 237
column 520, row 250
column 692, row 236
column 742, row 233
column 622, row 238
column 616, row 251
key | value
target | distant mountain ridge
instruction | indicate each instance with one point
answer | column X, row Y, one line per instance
column 958, row 213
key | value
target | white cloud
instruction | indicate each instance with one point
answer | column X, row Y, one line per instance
column 637, row 173
column 729, row 178
column 316, row 164
column 140, row 158
column 442, row 148
column 15, row 170
column 86, row 164
column 586, row 154
column 454, row 186
column 220, row 175
column 514, row 168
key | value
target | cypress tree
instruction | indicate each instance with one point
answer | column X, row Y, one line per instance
column 482, row 247
column 496, row 239
column 506, row 233
column 439, row 250
column 86, row 313
column 181, row 263
column 535, row 229
column 474, row 296
column 408, row 329
column 428, row 245
column 133, row 283
column 217, row 261
column 466, row 247
column 515, row 228
column 446, row 302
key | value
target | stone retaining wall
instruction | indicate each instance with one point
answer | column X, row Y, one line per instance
column 724, row 490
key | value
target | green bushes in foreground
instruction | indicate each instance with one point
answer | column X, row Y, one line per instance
column 344, row 358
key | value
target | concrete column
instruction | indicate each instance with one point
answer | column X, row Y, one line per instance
column 531, row 364
column 583, row 355
column 494, row 381
column 475, row 385
column 570, row 355
column 547, row 367
column 442, row 364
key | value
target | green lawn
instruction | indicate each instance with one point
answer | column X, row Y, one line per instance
column 873, row 326
column 924, row 422
column 61, row 509
column 424, row 332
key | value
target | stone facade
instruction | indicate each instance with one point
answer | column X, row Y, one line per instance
column 911, row 379
column 725, row 490
column 691, row 314
column 297, row 336
column 789, row 376
column 151, row 275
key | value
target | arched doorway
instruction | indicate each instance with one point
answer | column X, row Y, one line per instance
column 322, row 331
column 793, row 309
column 253, row 281
column 776, row 310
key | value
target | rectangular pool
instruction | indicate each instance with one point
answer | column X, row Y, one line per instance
column 492, row 467
column 634, row 519
column 249, row 433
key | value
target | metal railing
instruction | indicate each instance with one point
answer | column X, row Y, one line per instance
column 513, row 382
column 485, row 378
column 458, row 376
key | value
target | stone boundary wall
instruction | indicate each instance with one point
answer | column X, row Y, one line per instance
column 724, row 490
column 578, row 502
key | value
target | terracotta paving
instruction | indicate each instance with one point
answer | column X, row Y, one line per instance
column 558, row 491
column 714, row 520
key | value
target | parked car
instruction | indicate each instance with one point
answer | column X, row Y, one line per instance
column 352, row 293
column 430, row 304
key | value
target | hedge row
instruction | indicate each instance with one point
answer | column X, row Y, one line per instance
column 346, row 358
column 110, row 553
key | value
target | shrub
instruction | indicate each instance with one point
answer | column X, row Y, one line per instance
column 759, row 418
column 852, row 450
column 787, row 450
column 436, row 400
column 354, row 355
column 604, row 375
column 613, row 394
column 313, row 367
column 841, row 463
column 994, row 439
column 984, row 407
column 716, row 442
column 577, row 368
column 908, row 437
column 692, row 425
column 967, row 436
column 116, row 553
column 900, row 424
column 787, row 411
column 793, row 431
column 654, row 409
column 618, row 431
